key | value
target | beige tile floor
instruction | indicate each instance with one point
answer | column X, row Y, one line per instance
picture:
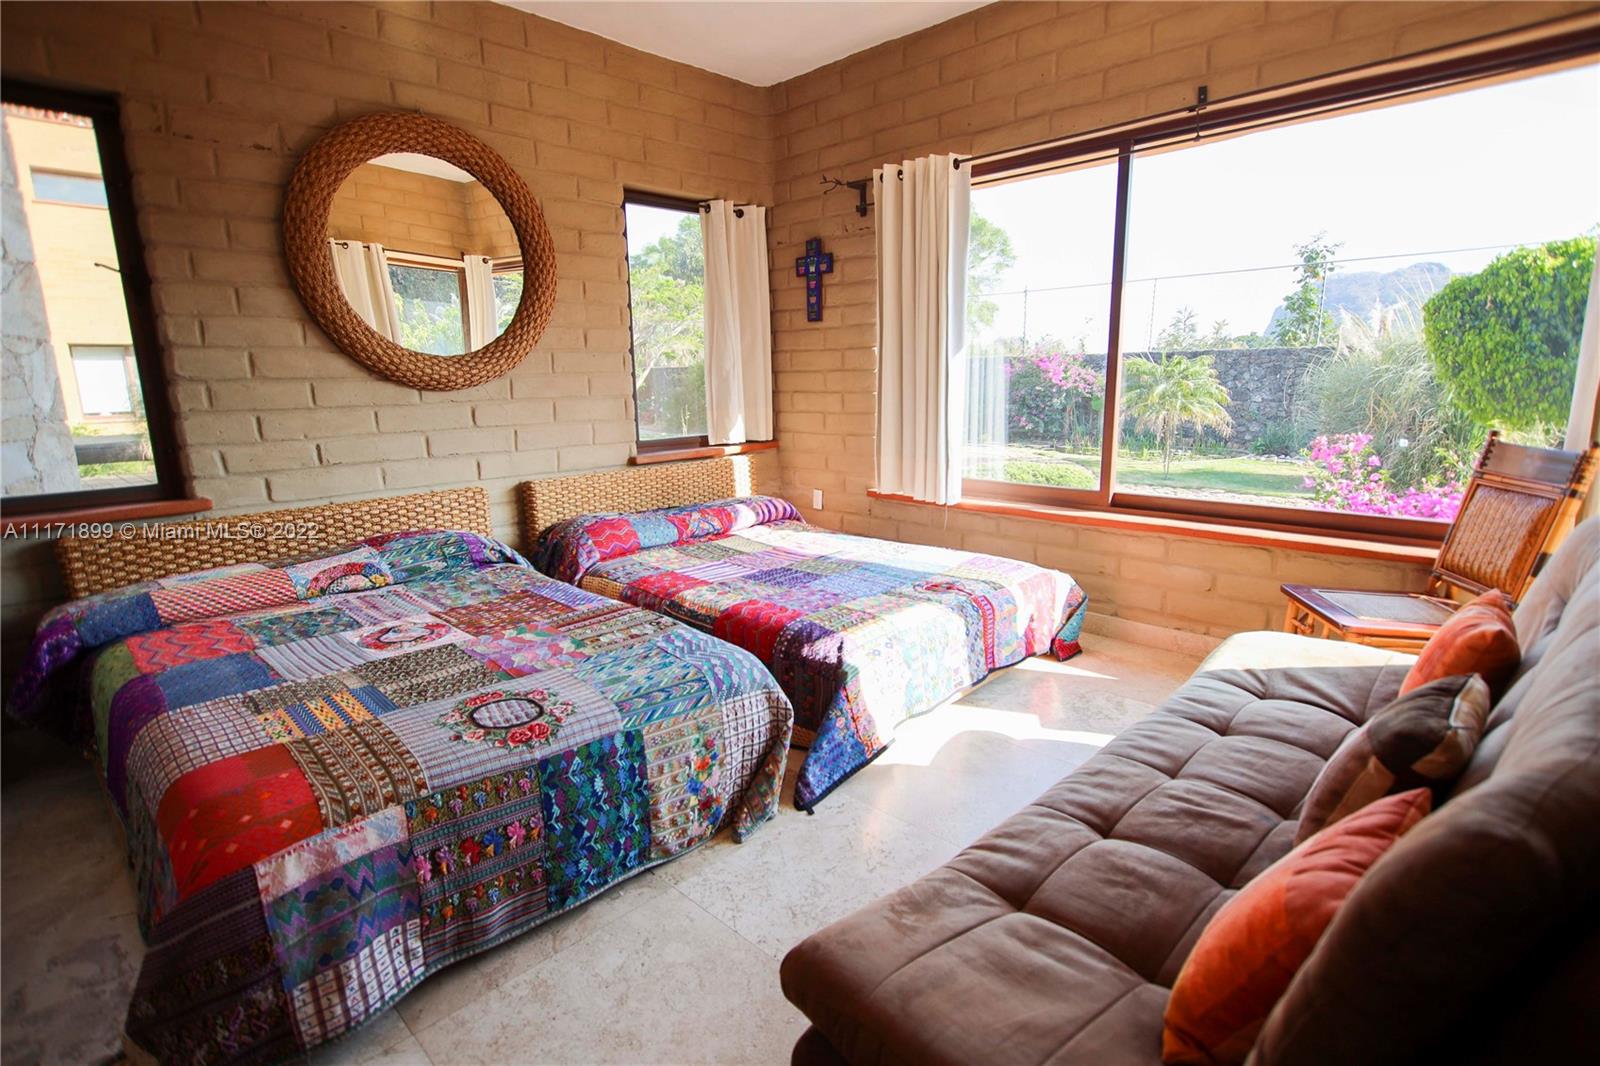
column 680, row 964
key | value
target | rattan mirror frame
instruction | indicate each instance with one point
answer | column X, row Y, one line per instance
column 309, row 201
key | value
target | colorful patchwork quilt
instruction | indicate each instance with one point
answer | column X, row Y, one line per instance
column 339, row 774
column 861, row 633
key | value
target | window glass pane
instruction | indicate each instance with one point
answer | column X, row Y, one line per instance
column 86, row 189
column 507, row 294
column 1334, row 314
column 103, row 385
column 667, row 291
column 74, row 417
column 1039, row 284
column 429, row 302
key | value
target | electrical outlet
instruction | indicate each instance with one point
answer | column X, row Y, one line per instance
column 816, row 499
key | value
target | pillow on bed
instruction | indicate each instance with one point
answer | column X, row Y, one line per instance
column 356, row 570
column 570, row 549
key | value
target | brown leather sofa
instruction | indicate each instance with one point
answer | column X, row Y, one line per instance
column 1057, row 936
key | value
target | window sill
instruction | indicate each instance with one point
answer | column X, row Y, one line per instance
column 36, row 524
column 714, row 451
column 1284, row 539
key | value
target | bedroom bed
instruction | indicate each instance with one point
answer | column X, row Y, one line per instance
column 339, row 772
column 861, row 633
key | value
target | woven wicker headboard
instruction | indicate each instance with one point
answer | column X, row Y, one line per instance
column 643, row 488
column 143, row 552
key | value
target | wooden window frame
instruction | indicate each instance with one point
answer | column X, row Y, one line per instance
column 424, row 261
column 1473, row 64
column 55, row 173
column 104, row 112
column 663, row 444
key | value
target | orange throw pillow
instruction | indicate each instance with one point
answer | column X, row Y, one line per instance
column 1248, row 954
column 1478, row 639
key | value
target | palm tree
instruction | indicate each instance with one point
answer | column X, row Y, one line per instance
column 1170, row 391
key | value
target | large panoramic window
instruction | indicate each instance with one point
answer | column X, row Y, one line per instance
column 666, row 300
column 86, row 419
column 1038, row 316
column 1324, row 316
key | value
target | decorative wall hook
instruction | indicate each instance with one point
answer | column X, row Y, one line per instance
column 860, row 186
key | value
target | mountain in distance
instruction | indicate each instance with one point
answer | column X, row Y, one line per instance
column 1363, row 294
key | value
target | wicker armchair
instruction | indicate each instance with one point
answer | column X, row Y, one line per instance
column 1519, row 505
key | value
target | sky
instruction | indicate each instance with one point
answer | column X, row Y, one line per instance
column 646, row 225
column 1498, row 166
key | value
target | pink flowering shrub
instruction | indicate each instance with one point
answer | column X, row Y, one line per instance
column 1053, row 394
column 1067, row 371
column 1347, row 474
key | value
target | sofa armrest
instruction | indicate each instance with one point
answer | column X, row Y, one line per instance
column 1352, row 680
column 1267, row 650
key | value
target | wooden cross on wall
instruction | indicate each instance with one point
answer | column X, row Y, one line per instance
column 812, row 266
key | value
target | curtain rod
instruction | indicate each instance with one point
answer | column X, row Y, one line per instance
column 738, row 209
column 1178, row 137
column 1587, row 39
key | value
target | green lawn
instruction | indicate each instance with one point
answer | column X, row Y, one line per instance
column 134, row 468
column 1243, row 474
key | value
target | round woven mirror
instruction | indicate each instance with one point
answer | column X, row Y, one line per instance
column 399, row 310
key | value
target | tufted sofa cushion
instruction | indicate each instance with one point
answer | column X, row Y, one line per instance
column 1057, row 936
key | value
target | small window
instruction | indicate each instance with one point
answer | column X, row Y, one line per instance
column 429, row 298
column 107, row 381
column 666, row 300
column 86, row 190
column 86, row 419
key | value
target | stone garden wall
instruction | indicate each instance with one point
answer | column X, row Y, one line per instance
column 1263, row 385
column 1264, row 388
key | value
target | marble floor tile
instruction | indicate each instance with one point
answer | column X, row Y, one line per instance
column 953, row 778
column 802, row 871
column 70, row 949
column 666, row 982
column 470, row 980
column 1059, row 703
column 383, row 1041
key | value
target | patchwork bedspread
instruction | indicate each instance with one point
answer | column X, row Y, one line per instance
column 341, row 773
column 861, row 633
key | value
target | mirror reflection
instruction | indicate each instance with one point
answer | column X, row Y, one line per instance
column 425, row 254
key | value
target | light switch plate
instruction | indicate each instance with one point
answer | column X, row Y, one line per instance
column 816, row 499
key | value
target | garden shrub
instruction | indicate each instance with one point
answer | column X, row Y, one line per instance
column 1062, row 475
column 1281, row 438
column 1379, row 382
column 1053, row 397
column 1505, row 340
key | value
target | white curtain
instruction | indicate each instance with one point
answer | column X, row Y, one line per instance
column 738, row 324
column 362, row 271
column 481, row 315
column 1582, row 425
column 923, row 208
column 350, row 268
column 385, row 312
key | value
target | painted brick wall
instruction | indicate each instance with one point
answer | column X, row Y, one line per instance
column 998, row 77
column 222, row 98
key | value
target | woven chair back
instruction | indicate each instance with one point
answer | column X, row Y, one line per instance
column 1520, row 503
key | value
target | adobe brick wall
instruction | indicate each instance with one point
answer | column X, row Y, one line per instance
column 222, row 99
column 1001, row 76
column 420, row 213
